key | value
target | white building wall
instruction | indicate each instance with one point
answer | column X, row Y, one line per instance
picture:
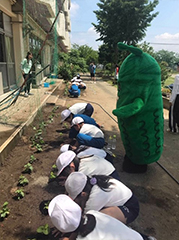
column 63, row 25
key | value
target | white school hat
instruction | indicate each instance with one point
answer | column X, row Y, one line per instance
column 65, row 214
column 64, row 159
column 65, row 114
column 75, row 184
column 64, row 148
column 77, row 120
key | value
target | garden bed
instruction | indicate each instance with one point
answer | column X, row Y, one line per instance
column 38, row 149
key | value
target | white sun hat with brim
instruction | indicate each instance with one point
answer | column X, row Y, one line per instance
column 64, row 159
column 65, row 214
column 75, row 184
column 77, row 120
column 64, row 148
column 65, row 114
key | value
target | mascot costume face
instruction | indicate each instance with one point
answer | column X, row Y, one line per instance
column 139, row 109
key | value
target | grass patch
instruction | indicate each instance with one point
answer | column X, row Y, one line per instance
column 169, row 81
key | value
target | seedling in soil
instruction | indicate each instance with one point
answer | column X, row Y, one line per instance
column 32, row 159
column 44, row 229
column 49, row 121
column 38, row 147
column 54, row 167
column 42, row 125
column 41, row 141
column 4, row 212
column 52, row 175
column 55, row 108
column 61, row 134
column 28, row 168
column 23, row 181
column 65, row 125
column 19, row 193
column 50, row 118
column 46, row 205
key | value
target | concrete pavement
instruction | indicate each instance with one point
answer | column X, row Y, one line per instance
column 15, row 118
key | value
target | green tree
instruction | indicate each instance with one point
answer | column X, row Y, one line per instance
column 162, row 57
column 105, row 54
column 87, row 53
column 165, row 71
column 71, row 64
column 123, row 21
column 167, row 56
column 147, row 48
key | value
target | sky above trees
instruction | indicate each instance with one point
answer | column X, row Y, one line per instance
column 163, row 33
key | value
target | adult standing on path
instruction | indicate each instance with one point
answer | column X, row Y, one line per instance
column 26, row 66
column 174, row 105
column 92, row 68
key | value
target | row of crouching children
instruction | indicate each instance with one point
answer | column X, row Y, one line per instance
column 97, row 204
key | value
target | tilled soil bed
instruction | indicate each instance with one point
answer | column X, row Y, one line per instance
column 28, row 213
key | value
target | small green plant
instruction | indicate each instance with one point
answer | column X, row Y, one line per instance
column 28, row 168
column 32, row 159
column 55, row 108
column 42, row 125
column 61, row 135
column 4, row 212
column 54, row 166
column 46, row 205
column 20, row 193
column 52, row 175
column 66, row 92
column 23, row 181
column 50, row 118
column 44, row 229
column 39, row 147
column 65, row 125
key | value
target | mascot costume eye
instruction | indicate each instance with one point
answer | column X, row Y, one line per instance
column 139, row 109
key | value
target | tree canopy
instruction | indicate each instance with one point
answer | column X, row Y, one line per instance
column 76, row 61
column 123, row 21
column 167, row 56
column 87, row 53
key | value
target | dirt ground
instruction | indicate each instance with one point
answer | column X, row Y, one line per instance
column 157, row 191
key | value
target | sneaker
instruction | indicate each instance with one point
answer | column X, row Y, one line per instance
column 151, row 238
column 26, row 95
column 30, row 93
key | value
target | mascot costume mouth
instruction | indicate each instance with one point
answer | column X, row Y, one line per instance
column 139, row 109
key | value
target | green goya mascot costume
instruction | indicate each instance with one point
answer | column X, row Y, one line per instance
column 139, row 109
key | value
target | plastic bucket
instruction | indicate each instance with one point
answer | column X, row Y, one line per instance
column 46, row 84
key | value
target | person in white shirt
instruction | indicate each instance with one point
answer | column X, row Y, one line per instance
column 88, row 134
column 174, row 105
column 68, row 162
column 103, row 193
column 83, row 150
column 78, row 81
column 82, row 108
column 67, row 217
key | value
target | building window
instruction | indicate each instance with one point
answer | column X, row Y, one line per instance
column 1, row 20
column 35, row 45
column 7, row 66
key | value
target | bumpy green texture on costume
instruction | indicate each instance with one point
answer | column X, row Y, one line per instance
column 140, row 107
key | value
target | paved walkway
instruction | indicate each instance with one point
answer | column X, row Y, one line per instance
column 14, row 118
